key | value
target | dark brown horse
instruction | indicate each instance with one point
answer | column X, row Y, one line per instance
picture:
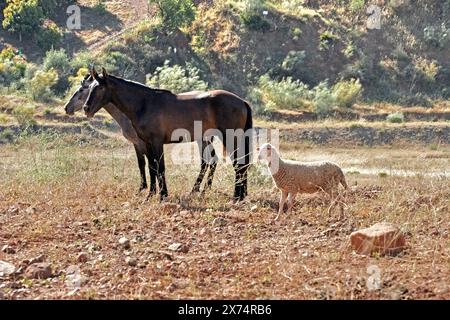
column 157, row 114
column 76, row 103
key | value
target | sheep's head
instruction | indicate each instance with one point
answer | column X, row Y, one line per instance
column 267, row 152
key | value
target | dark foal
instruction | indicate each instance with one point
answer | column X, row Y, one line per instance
column 156, row 114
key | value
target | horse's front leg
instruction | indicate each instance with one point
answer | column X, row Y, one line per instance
column 212, row 161
column 203, row 167
column 140, row 155
column 158, row 151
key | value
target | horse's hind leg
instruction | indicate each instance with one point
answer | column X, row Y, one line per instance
column 155, row 154
column 204, row 166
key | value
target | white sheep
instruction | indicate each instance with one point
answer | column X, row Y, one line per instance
column 293, row 177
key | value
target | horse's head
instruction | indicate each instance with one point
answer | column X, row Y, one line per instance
column 77, row 100
column 99, row 93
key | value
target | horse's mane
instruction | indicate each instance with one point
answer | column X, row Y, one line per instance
column 138, row 85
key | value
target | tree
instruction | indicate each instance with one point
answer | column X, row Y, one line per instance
column 175, row 13
column 22, row 16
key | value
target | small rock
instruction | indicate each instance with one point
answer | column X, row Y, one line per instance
column 132, row 262
column 202, row 232
column 168, row 206
column 6, row 269
column 254, row 208
column 30, row 210
column 39, row 271
column 73, row 269
column 8, row 249
column 14, row 209
column 124, row 243
column 219, row 222
column 383, row 238
column 175, row 246
column 82, row 257
column 184, row 212
column 179, row 247
column 171, row 287
column 38, row 259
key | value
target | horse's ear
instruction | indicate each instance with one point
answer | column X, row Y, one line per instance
column 104, row 73
column 94, row 73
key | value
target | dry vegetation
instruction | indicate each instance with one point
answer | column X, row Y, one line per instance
column 65, row 195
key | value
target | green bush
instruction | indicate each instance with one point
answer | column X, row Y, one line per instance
column 24, row 114
column 356, row 5
column 254, row 21
column 83, row 59
column 40, row 86
column 252, row 17
column 346, row 93
column 49, row 36
column 23, row 16
column 293, row 63
column 58, row 61
column 175, row 14
column 284, row 94
column 323, row 99
column 176, row 78
column 12, row 67
column 396, row 117
column 437, row 36
column 118, row 63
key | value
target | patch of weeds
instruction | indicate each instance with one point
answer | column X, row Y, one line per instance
column 396, row 117
column 382, row 174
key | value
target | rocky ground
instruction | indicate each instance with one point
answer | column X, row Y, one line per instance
column 73, row 227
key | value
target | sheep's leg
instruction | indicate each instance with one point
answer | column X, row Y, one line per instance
column 291, row 199
column 281, row 204
column 332, row 201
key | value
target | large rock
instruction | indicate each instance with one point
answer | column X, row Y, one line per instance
column 383, row 238
column 6, row 269
column 39, row 271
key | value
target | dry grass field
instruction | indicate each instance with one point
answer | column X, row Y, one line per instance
column 70, row 200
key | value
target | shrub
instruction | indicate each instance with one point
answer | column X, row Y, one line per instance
column 356, row 5
column 24, row 114
column 346, row 93
column 254, row 21
column 437, row 36
column 83, row 59
column 323, row 99
column 252, row 17
column 23, row 16
column 326, row 39
column 100, row 7
column 284, row 94
column 58, row 61
column 396, row 117
column 49, row 36
column 176, row 78
column 293, row 62
column 12, row 67
column 39, row 87
column 175, row 14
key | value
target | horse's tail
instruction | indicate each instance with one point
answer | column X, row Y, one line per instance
column 248, row 126
column 249, row 120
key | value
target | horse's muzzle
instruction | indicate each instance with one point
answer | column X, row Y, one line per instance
column 87, row 110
